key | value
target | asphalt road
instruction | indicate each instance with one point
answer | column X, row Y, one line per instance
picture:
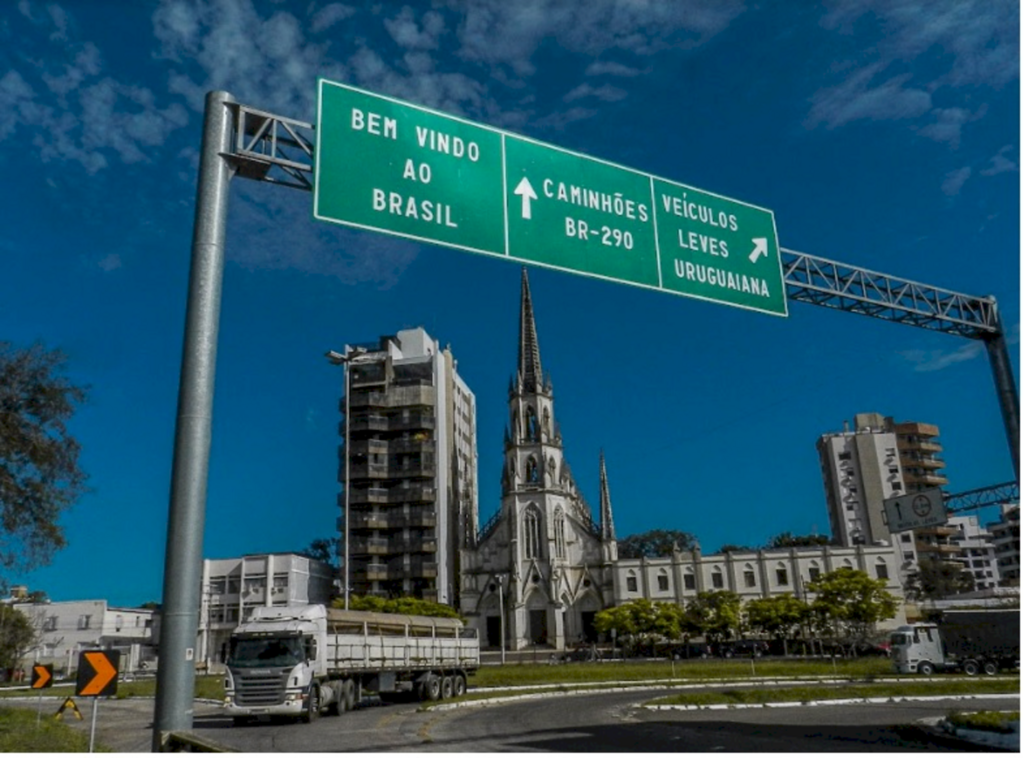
column 607, row 722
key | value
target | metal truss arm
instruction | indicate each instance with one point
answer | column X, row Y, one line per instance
column 275, row 149
column 997, row 494
column 820, row 281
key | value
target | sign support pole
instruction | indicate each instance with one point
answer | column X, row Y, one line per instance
column 1009, row 404
column 39, row 707
column 92, row 728
column 184, row 555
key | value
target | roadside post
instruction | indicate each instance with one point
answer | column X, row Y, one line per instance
column 42, row 678
column 97, row 677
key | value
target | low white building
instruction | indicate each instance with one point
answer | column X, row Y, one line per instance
column 979, row 555
column 754, row 574
column 68, row 628
column 232, row 587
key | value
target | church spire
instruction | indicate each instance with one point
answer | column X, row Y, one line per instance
column 530, row 374
column 607, row 525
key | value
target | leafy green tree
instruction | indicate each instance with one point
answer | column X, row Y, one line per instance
column 639, row 623
column 408, row 605
column 714, row 614
column 320, row 550
column 657, row 543
column 787, row 539
column 848, row 603
column 39, row 473
column 17, row 636
column 938, row 579
column 779, row 616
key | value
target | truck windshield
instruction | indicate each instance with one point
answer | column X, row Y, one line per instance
column 266, row 652
column 900, row 639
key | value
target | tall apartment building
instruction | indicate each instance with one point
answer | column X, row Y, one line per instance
column 1006, row 543
column 412, row 468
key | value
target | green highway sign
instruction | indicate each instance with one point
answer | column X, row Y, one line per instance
column 398, row 168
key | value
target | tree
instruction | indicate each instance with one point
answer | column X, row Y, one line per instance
column 411, row 606
column 787, row 539
column 320, row 550
column 657, row 543
column 17, row 636
column 938, row 579
column 714, row 614
column 848, row 603
column 39, row 473
column 730, row 548
column 779, row 616
column 639, row 623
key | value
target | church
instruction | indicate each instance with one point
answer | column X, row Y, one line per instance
column 542, row 567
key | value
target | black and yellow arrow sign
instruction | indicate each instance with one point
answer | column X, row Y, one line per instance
column 68, row 703
column 97, row 673
column 42, row 676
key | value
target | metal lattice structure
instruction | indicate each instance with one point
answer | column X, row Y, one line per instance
column 269, row 148
column 820, row 281
column 998, row 494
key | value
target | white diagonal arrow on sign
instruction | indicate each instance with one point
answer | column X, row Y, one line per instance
column 525, row 190
column 760, row 248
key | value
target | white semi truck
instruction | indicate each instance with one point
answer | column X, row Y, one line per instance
column 972, row 641
column 303, row 660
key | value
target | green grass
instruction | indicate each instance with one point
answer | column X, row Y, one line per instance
column 529, row 674
column 990, row 721
column 208, row 686
column 20, row 734
column 931, row 687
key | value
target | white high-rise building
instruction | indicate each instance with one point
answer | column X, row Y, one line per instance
column 976, row 546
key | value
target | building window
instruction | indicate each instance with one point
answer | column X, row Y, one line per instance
column 881, row 571
column 908, row 556
column 50, row 625
column 84, row 621
column 631, row 584
column 749, row 579
column 716, row 579
column 532, row 472
column 559, row 534
column 531, row 524
column 905, row 537
column 689, row 581
column 662, row 583
column 217, row 585
column 814, row 573
column 781, row 576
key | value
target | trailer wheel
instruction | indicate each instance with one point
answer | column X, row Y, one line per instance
column 432, row 687
column 971, row 668
column 925, row 668
column 458, row 685
column 447, row 688
column 349, row 690
column 313, row 705
column 991, row 668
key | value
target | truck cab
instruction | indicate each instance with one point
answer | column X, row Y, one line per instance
column 917, row 648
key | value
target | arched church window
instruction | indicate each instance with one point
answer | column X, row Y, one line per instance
column 531, row 536
column 559, row 533
column 532, row 472
column 547, row 423
column 517, row 433
column 551, row 469
column 531, row 424
column 717, row 579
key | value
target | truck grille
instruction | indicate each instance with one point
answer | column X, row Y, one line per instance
column 260, row 686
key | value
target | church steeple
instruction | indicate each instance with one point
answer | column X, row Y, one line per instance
column 607, row 524
column 531, row 378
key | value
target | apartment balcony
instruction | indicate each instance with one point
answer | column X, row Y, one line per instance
column 366, row 471
column 365, row 447
column 934, row 480
column 370, row 572
column 421, row 520
column 414, row 545
column 414, row 494
column 364, row 495
column 424, row 569
column 414, row 421
column 372, row 422
column 373, row 521
column 369, row 546
column 403, row 445
column 924, row 548
column 408, row 470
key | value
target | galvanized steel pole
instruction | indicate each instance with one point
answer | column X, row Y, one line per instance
column 1009, row 403
column 179, row 618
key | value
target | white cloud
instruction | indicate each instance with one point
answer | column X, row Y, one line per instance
column 610, row 68
column 330, row 15
column 948, row 124
column 110, row 262
column 859, row 98
column 999, row 163
column 408, row 34
column 606, row 92
column 936, row 360
column 954, row 180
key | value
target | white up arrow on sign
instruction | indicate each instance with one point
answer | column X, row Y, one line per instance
column 760, row 248
column 525, row 190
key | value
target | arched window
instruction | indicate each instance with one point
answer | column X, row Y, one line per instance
column 532, row 431
column 547, row 423
column 749, row 576
column 531, row 533
column 559, row 533
column 717, row 579
column 532, row 472
column 662, row 581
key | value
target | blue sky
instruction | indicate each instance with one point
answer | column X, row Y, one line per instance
column 883, row 134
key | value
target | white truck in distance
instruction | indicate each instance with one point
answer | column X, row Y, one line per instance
column 303, row 660
column 972, row 641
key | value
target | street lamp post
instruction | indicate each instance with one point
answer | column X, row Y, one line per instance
column 344, row 359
